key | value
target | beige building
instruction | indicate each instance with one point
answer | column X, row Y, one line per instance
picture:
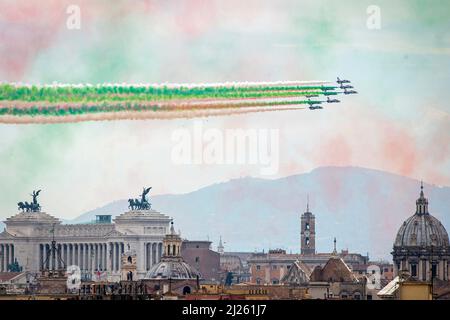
column 421, row 257
column 93, row 247
column 422, row 247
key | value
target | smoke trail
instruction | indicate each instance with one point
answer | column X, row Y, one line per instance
column 22, row 103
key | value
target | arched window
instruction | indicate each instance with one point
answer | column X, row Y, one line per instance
column 186, row 290
column 307, row 240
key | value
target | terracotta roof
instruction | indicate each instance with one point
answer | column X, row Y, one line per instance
column 8, row 276
column 335, row 270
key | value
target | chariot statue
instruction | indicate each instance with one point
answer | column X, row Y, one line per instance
column 33, row 206
column 142, row 203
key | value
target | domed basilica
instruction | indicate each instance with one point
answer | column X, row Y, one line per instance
column 172, row 265
column 421, row 248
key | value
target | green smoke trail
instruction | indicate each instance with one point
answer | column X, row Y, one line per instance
column 74, row 100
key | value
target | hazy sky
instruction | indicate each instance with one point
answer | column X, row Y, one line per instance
column 399, row 122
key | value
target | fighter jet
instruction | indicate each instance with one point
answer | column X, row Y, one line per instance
column 329, row 93
column 350, row 92
column 313, row 105
column 342, row 81
column 346, row 87
column 332, row 100
column 325, row 89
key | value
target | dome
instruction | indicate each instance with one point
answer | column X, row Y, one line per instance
column 172, row 265
column 173, row 269
column 422, row 229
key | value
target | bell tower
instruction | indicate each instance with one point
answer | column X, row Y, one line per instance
column 308, row 232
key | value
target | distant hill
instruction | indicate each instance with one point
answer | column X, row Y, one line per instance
column 362, row 208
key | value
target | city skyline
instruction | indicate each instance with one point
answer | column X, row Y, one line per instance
column 399, row 71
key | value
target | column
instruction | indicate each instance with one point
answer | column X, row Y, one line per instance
column 420, row 270
column 441, row 270
column 147, row 257
column 100, row 257
column 1, row 258
column 89, row 256
column 114, row 256
column 117, row 256
column 150, row 256
column 44, row 256
column 57, row 262
column 12, row 253
column 6, row 257
column 105, row 256
column 446, row 270
column 89, row 251
column 95, row 256
column 109, row 256
column 63, row 253
column 159, row 251
column 39, row 259
column 77, row 255
column 3, row 252
column 42, row 266
column 111, row 248
column 154, row 257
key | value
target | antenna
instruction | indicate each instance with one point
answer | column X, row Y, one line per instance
column 307, row 202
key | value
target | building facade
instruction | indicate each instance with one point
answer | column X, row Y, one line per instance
column 172, row 274
column 308, row 233
column 421, row 247
column 92, row 247
column 199, row 255
column 272, row 267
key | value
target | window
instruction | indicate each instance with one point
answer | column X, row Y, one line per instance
column 258, row 267
column 307, row 241
column 434, row 271
column 414, row 270
column 307, row 226
column 274, row 267
column 197, row 259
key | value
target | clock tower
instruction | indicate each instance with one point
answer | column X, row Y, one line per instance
column 308, row 232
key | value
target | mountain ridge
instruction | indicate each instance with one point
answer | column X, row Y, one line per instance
column 363, row 208
column 273, row 207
